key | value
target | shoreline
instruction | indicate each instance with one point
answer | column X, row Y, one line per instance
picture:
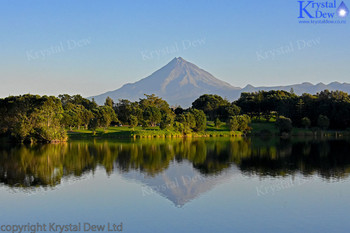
column 263, row 130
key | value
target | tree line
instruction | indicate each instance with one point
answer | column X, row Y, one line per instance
column 325, row 110
column 30, row 118
column 47, row 118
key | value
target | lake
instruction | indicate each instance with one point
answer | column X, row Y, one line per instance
column 178, row 185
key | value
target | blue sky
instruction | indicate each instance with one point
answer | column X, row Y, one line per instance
column 90, row 47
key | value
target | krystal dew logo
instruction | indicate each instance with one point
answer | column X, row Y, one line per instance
column 326, row 10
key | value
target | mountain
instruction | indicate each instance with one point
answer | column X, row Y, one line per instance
column 305, row 87
column 181, row 82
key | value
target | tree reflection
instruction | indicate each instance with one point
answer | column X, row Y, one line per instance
column 46, row 165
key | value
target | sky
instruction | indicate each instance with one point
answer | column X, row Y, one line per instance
column 90, row 47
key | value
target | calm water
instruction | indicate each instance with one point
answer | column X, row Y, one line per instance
column 193, row 185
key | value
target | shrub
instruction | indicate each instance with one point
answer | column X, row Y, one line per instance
column 240, row 123
column 284, row 124
column 306, row 122
column 323, row 122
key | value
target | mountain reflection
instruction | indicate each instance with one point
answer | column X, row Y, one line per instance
column 46, row 165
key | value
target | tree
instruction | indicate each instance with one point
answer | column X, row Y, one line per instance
column 109, row 102
column 217, row 123
column 323, row 122
column 232, row 110
column 124, row 110
column 179, row 127
column 284, row 124
column 210, row 105
column 239, row 123
column 152, row 115
column 133, row 122
column 233, row 123
column 154, row 101
column 77, row 100
column 167, row 121
column 86, row 116
column 93, row 124
column 200, row 120
column 188, row 121
column 306, row 122
column 106, row 116
column 30, row 118
column 244, row 121
column 179, row 110
column 155, row 111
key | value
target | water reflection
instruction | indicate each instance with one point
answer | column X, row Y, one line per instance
column 46, row 165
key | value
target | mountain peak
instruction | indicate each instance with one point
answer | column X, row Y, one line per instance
column 178, row 61
column 182, row 60
column 181, row 82
column 178, row 82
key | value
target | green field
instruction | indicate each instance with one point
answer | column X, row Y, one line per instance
column 259, row 128
column 150, row 132
column 264, row 128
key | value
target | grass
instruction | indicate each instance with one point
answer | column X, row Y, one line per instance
column 259, row 127
column 150, row 132
column 264, row 128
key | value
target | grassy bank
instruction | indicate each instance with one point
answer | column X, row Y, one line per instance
column 259, row 128
column 151, row 132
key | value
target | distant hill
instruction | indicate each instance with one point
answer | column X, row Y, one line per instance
column 181, row 82
column 303, row 88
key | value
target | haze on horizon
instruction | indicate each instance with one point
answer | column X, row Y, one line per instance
column 88, row 48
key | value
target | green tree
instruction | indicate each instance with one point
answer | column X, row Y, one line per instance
column 217, row 123
column 93, row 124
column 211, row 105
column 106, row 116
column 179, row 127
column 323, row 122
column 188, row 121
column 86, row 116
column 133, row 122
column 152, row 115
column 306, row 122
column 154, row 101
column 124, row 110
column 31, row 118
column 167, row 121
column 109, row 102
column 200, row 120
column 244, row 121
column 232, row 110
column 284, row 124
column 233, row 123
column 239, row 123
